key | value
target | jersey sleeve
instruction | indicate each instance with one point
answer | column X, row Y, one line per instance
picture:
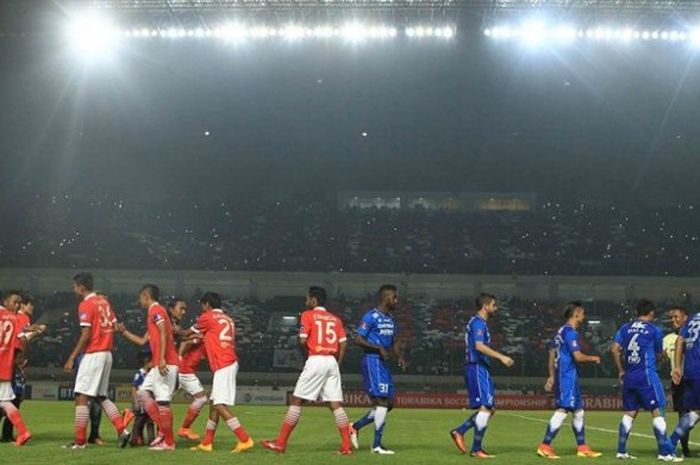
column 366, row 325
column 85, row 314
column 658, row 341
column 201, row 324
column 305, row 325
column 158, row 317
column 684, row 331
column 478, row 331
column 342, row 337
column 619, row 337
column 571, row 341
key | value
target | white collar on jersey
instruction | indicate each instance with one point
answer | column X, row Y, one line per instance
column 323, row 309
column 92, row 294
column 218, row 310
column 153, row 305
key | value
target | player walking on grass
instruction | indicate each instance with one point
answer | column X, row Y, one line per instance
column 377, row 336
column 157, row 390
column 477, row 377
column 322, row 335
column 187, row 372
column 219, row 334
column 635, row 349
column 10, row 354
column 97, row 323
column 566, row 387
column 679, row 316
column 687, row 372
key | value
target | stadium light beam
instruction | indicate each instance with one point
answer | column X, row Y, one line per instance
column 92, row 35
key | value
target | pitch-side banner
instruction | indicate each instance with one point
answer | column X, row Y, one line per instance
column 452, row 400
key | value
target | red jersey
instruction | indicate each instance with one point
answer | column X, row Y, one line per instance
column 96, row 312
column 219, row 338
column 23, row 322
column 322, row 330
column 189, row 363
column 9, row 332
column 158, row 316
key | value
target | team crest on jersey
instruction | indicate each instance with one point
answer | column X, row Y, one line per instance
column 83, row 315
column 157, row 318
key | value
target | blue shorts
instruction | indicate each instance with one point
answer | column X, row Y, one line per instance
column 568, row 395
column 691, row 394
column 376, row 377
column 647, row 394
column 479, row 386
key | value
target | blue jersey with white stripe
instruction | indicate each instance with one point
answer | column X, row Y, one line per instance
column 476, row 331
column 378, row 328
column 640, row 342
column 691, row 357
column 565, row 345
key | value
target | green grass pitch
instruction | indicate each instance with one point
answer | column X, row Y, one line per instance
column 417, row 436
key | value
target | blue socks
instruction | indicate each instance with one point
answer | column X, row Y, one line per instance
column 466, row 426
column 364, row 421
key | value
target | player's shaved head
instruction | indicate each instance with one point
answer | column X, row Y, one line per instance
column 645, row 307
column 388, row 296
column 571, row 308
column 483, row 300
column 152, row 290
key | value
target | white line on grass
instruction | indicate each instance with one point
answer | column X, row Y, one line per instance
column 591, row 428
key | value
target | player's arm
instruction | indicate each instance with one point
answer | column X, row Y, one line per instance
column 397, row 348
column 365, row 344
column 549, row 384
column 616, row 350
column 678, row 370
column 580, row 357
column 163, row 334
column 489, row 352
column 32, row 331
column 134, row 338
column 185, row 346
column 85, row 335
column 342, row 349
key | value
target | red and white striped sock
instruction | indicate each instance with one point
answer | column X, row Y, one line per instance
column 114, row 416
column 193, row 411
column 14, row 416
column 151, row 408
column 82, row 416
column 166, row 419
column 288, row 424
column 343, row 424
column 235, row 426
column 209, row 433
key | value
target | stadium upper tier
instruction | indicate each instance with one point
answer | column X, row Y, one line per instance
column 254, row 235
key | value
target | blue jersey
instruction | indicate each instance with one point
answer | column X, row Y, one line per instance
column 640, row 342
column 378, row 329
column 139, row 378
column 565, row 344
column 691, row 359
column 476, row 331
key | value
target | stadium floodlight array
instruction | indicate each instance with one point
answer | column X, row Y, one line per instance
column 542, row 33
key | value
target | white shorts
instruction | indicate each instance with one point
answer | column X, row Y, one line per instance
column 162, row 387
column 92, row 379
column 190, row 383
column 223, row 389
column 320, row 380
column 6, row 392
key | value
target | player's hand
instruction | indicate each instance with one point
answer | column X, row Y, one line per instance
column 621, row 376
column 119, row 328
column 507, row 361
column 163, row 368
column 549, row 384
column 386, row 354
column 41, row 328
column 403, row 364
column 676, row 376
column 596, row 359
column 68, row 367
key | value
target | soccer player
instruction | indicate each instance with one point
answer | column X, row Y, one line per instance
column 187, row 371
column 566, row 387
column 9, row 356
column 96, row 341
column 686, row 370
column 634, row 350
column 218, row 331
column 376, row 335
column 157, row 390
column 678, row 315
column 477, row 376
column 141, row 419
column 322, row 335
